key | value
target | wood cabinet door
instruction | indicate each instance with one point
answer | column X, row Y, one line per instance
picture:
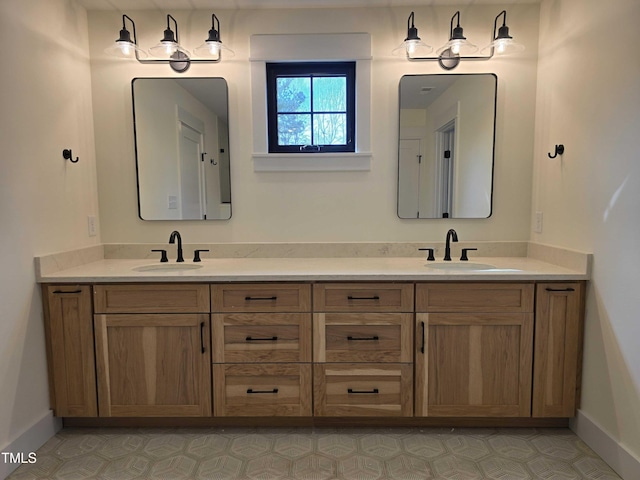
column 72, row 369
column 474, row 365
column 558, row 348
column 153, row 365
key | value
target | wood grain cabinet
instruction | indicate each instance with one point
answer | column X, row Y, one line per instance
column 558, row 349
column 70, row 353
column 261, row 340
column 474, row 350
column 363, row 363
column 152, row 361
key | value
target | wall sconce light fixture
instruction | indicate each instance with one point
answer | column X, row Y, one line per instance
column 169, row 50
column 458, row 47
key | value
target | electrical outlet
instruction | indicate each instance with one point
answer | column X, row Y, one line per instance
column 172, row 202
column 537, row 228
column 92, row 225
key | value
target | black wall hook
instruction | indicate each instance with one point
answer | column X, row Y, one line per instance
column 559, row 151
column 67, row 154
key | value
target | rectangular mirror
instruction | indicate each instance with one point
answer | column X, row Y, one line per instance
column 182, row 148
column 446, row 145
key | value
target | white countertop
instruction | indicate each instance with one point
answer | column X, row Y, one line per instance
column 314, row 269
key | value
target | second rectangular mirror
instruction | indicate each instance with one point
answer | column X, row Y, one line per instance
column 446, row 145
column 182, row 148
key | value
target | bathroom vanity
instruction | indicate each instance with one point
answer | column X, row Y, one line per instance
column 315, row 341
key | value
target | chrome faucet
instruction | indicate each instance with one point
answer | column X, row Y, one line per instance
column 451, row 236
column 172, row 239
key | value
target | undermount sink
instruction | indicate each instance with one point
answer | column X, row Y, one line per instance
column 461, row 266
column 167, row 267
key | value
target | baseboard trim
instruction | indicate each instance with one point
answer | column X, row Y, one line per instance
column 30, row 440
column 610, row 450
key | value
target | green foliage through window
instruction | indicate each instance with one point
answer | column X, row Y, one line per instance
column 311, row 107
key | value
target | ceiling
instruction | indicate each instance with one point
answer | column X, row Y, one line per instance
column 164, row 5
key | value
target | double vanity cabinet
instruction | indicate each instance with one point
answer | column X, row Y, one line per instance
column 401, row 351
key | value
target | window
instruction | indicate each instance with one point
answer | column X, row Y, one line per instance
column 311, row 107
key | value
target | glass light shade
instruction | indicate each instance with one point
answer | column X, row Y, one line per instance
column 412, row 48
column 503, row 46
column 458, row 47
column 166, row 49
column 122, row 49
column 213, row 49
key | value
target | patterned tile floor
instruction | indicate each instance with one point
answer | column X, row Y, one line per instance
column 315, row 454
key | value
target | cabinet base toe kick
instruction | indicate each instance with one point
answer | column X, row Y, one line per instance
column 314, row 422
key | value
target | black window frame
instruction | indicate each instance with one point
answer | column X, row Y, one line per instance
column 311, row 69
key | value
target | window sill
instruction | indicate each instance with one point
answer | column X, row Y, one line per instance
column 312, row 162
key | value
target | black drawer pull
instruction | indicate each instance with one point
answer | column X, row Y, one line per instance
column 248, row 299
column 375, row 391
column 375, row 337
column 375, row 297
column 422, row 346
column 266, row 339
column 202, row 337
column 73, row 291
column 560, row 289
column 251, row 390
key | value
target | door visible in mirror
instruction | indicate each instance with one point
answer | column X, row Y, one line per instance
column 182, row 148
column 446, row 145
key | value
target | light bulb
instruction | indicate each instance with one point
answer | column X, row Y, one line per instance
column 125, row 47
column 214, row 48
column 455, row 48
column 169, row 47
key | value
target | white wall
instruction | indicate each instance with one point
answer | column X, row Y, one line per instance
column 46, row 107
column 588, row 99
column 333, row 206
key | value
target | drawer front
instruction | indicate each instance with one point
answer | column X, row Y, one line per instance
column 363, row 337
column 474, row 297
column 354, row 297
column 262, row 390
column 261, row 337
column 153, row 298
column 261, row 298
column 382, row 390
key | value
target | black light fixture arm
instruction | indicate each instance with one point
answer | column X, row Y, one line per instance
column 168, row 33
column 215, row 28
column 503, row 13
column 451, row 29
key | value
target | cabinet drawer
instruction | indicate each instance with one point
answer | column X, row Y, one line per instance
column 261, row 337
column 363, row 337
column 474, row 297
column 262, row 390
column 261, row 298
column 355, row 297
column 384, row 390
column 154, row 298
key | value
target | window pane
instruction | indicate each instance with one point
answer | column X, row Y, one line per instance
column 293, row 94
column 329, row 94
column 294, row 129
column 330, row 129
